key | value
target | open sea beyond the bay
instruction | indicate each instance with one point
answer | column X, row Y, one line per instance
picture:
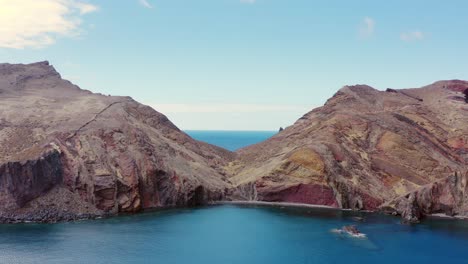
column 241, row 234
column 230, row 140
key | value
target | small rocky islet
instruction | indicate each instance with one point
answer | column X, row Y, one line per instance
column 69, row 154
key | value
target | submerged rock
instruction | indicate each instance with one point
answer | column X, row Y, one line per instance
column 351, row 229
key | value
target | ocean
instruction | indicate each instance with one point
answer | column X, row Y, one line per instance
column 236, row 234
column 230, row 140
column 228, row 234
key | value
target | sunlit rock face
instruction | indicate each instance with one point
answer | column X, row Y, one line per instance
column 68, row 153
column 365, row 148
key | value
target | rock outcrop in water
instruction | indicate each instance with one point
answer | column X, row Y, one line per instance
column 68, row 153
column 405, row 151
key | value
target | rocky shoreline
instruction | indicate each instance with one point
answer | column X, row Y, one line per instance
column 50, row 217
column 47, row 217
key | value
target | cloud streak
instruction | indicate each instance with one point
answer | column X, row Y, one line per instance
column 145, row 3
column 248, row 1
column 36, row 24
column 367, row 27
column 412, row 36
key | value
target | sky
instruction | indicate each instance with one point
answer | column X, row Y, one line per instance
column 238, row 64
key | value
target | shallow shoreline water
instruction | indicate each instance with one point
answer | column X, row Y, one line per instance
column 299, row 205
column 233, row 203
column 444, row 216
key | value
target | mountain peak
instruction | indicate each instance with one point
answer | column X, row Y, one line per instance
column 39, row 75
column 35, row 68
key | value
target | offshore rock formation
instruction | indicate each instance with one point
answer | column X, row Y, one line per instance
column 404, row 151
column 68, row 153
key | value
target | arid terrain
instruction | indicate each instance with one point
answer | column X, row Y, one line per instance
column 68, row 153
column 402, row 151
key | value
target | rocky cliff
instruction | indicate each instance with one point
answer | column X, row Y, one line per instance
column 68, row 153
column 405, row 150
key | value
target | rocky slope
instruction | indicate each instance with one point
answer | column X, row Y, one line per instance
column 68, row 153
column 402, row 150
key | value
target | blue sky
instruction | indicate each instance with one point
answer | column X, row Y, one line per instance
column 238, row 64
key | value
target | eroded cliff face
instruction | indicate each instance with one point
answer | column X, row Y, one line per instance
column 448, row 196
column 364, row 148
column 68, row 153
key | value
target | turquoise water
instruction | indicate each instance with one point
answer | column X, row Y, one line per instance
column 231, row 140
column 231, row 234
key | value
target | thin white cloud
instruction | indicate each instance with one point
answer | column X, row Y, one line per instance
column 367, row 27
column 35, row 24
column 412, row 36
column 85, row 8
column 225, row 108
column 146, row 4
column 248, row 1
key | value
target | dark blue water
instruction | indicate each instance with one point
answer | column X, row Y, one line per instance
column 231, row 140
column 230, row 234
